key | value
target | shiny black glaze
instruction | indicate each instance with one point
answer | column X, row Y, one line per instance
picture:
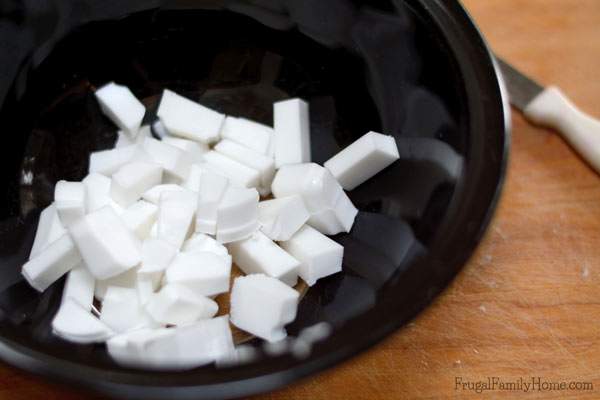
column 418, row 71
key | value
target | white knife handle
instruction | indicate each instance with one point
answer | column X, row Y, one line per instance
column 553, row 109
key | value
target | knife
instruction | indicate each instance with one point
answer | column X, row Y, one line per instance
column 549, row 107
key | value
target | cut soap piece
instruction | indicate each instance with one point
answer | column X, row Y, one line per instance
column 259, row 254
column 76, row 324
column 331, row 210
column 144, row 348
column 178, row 305
column 262, row 306
column 69, row 200
column 317, row 187
column 79, row 287
column 203, row 242
column 339, row 218
column 193, row 180
column 107, row 162
column 132, row 180
column 124, row 139
column 203, row 272
column 235, row 171
column 50, row 264
column 319, row 256
column 153, row 195
column 363, row 159
column 292, row 132
column 188, row 119
column 121, row 106
column 205, row 341
column 211, row 189
column 237, row 214
column 127, row 279
column 48, row 230
column 281, row 218
column 140, row 217
column 107, row 246
column 178, row 348
column 157, row 254
column 97, row 188
column 175, row 162
column 175, row 215
column 257, row 161
column 122, row 311
column 195, row 150
column 250, row 134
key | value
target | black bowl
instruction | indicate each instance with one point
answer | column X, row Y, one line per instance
column 418, row 70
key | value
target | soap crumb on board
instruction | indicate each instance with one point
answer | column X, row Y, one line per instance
column 585, row 272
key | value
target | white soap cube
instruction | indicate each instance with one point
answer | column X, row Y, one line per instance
column 281, row 218
column 203, row 342
column 122, row 311
column 132, row 180
column 331, row 210
column 175, row 216
column 157, row 254
column 79, row 287
column 317, row 187
column 70, row 201
column 48, row 230
column 250, row 134
column 106, row 245
column 127, row 279
column 107, row 162
column 260, row 255
column 58, row 258
column 363, row 159
column 319, row 256
column 154, row 231
column 175, row 162
column 146, row 285
column 195, row 150
column 210, row 192
column 188, row 119
column 194, row 177
column 203, row 242
column 179, row 348
column 144, row 348
column 97, row 188
column 76, row 324
column 239, row 233
column 121, row 106
column 203, row 272
column 124, row 139
column 140, row 217
column 237, row 214
column 235, row 171
column 292, row 132
column 262, row 306
column 153, row 195
column 178, row 305
column 263, row 164
column 339, row 218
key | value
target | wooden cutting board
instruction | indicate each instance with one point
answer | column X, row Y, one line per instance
column 528, row 302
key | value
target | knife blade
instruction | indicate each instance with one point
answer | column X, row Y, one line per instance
column 522, row 89
column 551, row 108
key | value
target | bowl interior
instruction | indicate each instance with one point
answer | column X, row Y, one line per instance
column 382, row 66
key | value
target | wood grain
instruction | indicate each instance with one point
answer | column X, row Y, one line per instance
column 528, row 302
